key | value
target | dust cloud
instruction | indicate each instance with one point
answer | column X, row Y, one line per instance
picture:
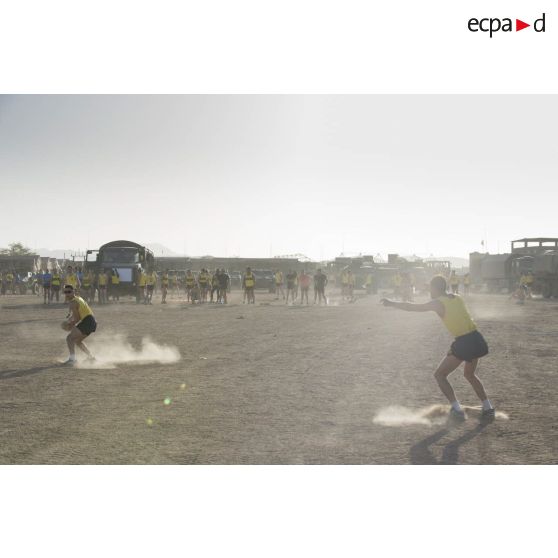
column 109, row 351
column 396, row 415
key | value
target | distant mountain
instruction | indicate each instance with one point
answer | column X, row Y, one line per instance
column 161, row 250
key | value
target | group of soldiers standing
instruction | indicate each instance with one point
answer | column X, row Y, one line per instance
column 296, row 283
column 8, row 282
column 85, row 283
column 199, row 288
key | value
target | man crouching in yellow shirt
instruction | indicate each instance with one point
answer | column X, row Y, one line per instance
column 469, row 344
column 80, row 323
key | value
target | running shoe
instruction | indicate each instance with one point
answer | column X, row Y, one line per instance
column 488, row 415
column 457, row 416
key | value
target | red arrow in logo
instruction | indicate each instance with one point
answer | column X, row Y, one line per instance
column 519, row 25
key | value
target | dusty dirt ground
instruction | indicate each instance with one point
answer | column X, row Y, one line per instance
column 271, row 384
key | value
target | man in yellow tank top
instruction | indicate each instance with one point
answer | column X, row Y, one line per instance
column 164, row 286
column 72, row 278
column 279, row 284
column 150, row 282
column 115, row 285
column 141, row 282
column 203, row 282
column 56, row 284
column 86, row 286
column 344, row 283
column 102, row 282
column 10, row 281
column 249, row 284
column 468, row 347
column 189, row 283
column 80, row 323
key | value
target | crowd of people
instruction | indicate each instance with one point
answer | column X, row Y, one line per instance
column 292, row 285
column 200, row 287
column 205, row 286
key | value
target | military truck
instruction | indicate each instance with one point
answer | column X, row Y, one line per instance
column 361, row 266
column 124, row 257
column 542, row 256
column 497, row 272
column 528, row 255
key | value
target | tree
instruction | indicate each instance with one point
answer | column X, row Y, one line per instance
column 16, row 249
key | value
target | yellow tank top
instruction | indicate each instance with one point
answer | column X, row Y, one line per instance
column 56, row 280
column 83, row 308
column 142, row 280
column 102, row 279
column 115, row 280
column 72, row 280
column 87, row 280
column 456, row 317
column 165, row 280
column 190, row 280
column 249, row 280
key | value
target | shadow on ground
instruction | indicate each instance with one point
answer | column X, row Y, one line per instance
column 421, row 453
column 18, row 373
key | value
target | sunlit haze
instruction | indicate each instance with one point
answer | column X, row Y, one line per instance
column 279, row 175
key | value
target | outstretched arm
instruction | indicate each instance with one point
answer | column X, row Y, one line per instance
column 431, row 306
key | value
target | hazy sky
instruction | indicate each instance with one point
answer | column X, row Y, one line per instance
column 254, row 175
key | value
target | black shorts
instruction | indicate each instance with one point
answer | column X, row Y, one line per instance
column 469, row 347
column 88, row 325
column 150, row 288
column 55, row 287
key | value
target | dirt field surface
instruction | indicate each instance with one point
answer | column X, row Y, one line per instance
column 272, row 384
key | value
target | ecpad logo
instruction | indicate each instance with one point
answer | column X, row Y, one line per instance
column 493, row 25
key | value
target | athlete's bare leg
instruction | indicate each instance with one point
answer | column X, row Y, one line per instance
column 445, row 368
column 76, row 337
column 473, row 379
